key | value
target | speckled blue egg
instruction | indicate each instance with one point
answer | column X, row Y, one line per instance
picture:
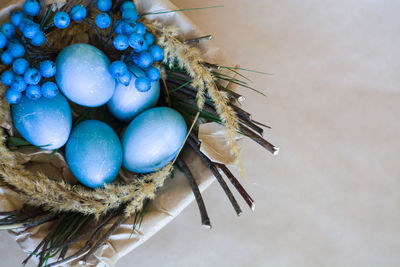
column 83, row 76
column 44, row 122
column 127, row 101
column 153, row 139
column 94, row 153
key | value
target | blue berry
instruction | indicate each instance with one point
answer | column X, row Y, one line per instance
column 49, row 89
column 8, row 29
column 142, row 84
column 7, row 77
column 140, row 28
column 130, row 14
column 30, row 30
column 13, row 97
column 119, row 24
column 129, row 27
column 32, row 76
column 153, row 74
column 126, row 78
column 149, row 38
column 16, row 17
column 118, row 68
column 33, row 92
column 38, row 39
column 78, row 13
column 103, row 20
column 61, row 20
column 157, row 52
column 3, row 40
column 121, row 42
column 144, row 60
column 137, row 42
column 23, row 23
column 16, row 49
column 47, row 68
column 127, row 5
column 18, row 84
column 31, row 7
column 7, row 58
column 104, row 5
column 20, row 65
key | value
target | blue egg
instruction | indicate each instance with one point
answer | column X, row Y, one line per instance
column 44, row 122
column 153, row 139
column 127, row 101
column 83, row 76
column 94, row 153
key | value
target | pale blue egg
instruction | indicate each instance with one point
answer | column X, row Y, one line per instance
column 127, row 101
column 153, row 139
column 44, row 122
column 94, row 153
column 83, row 76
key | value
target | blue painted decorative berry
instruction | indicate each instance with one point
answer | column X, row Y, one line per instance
column 25, row 21
column 38, row 39
column 47, row 68
column 78, row 13
column 126, row 78
column 103, row 20
column 119, row 24
column 7, row 77
column 3, row 40
column 127, row 5
column 130, row 14
column 16, row 49
column 8, row 29
column 144, row 60
column 104, row 5
column 61, row 20
column 153, row 74
column 157, row 52
column 121, row 42
column 140, row 28
column 49, row 89
column 31, row 7
column 118, row 68
column 149, row 38
column 16, row 17
column 7, row 58
column 142, row 84
column 128, row 28
column 30, row 30
column 33, row 92
column 13, row 97
column 18, row 84
column 137, row 42
column 32, row 76
column 20, row 65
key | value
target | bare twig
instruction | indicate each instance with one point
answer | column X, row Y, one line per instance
column 205, row 220
column 192, row 140
column 238, row 186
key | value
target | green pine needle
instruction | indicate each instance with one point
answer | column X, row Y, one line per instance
column 179, row 10
column 249, row 70
column 180, row 86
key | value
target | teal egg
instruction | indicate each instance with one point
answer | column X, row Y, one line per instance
column 83, row 76
column 45, row 123
column 93, row 153
column 127, row 101
column 153, row 139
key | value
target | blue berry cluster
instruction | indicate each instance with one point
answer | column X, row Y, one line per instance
column 132, row 34
column 22, row 77
column 25, row 78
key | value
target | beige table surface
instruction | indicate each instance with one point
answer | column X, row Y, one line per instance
column 332, row 196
